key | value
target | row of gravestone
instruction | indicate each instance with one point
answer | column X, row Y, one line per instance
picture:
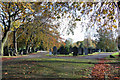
column 9, row 51
column 76, row 51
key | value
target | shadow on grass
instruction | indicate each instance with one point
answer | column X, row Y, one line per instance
column 51, row 61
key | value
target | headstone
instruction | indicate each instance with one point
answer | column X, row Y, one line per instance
column 32, row 49
column 24, row 51
column 80, row 51
column 6, row 51
column 21, row 52
column 36, row 50
column 11, row 52
column 54, row 50
column 90, row 50
column 63, row 50
column 86, row 51
column 75, row 51
column 99, row 50
column 50, row 52
column 70, row 49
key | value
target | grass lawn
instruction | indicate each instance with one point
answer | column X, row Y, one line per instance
column 115, row 55
column 47, row 68
column 95, row 53
column 115, row 64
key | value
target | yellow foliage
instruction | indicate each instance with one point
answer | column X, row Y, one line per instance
column 60, row 6
column 75, row 6
column 90, row 10
column 15, row 25
column 98, row 15
column 1, row 26
column 104, row 11
column 52, row 8
column 109, row 28
column 114, row 20
column 99, row 20
column 51, row 3
column 83, row 5
column 53, row 17
column 69, row 16
column 114, row 26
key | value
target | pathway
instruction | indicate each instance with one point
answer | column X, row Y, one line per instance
column 43, row 55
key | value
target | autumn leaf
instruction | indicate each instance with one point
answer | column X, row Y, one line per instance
column 114, row 26
column 6, row 73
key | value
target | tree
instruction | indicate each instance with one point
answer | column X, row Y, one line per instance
column 106, row 40
column 68, row 42
column 97, row 13
column 38, row 32
column 11, row 12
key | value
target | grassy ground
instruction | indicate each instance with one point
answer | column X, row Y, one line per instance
column 115, row 65
column 47, row 68
column 72, row 54
column 114, row 54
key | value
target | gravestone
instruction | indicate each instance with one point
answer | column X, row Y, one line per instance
column 99, row 50
column 24, row 51
column 80, row 51
column 6, row 51
column 50, row 52
column 63, row 50
column 35, row 50
column 86, row 51
column 20, row 52
column 32, row 49
column 54, row 50
column 10, row 52
column 75, row 51
column 70, row 49
column 90, row 50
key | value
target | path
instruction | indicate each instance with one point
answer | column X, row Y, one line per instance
column 43, row 55
column 98, row 56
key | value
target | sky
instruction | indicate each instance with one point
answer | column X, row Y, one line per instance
column 79, row 31
column 78, row 35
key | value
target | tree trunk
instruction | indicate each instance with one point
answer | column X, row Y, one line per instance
column 1, row 50
column 14, row 43
column 118, row 9
column 3, row 42
column 27, row 49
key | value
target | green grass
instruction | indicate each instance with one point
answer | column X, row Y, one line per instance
column 94, row 53
column 72, row 54
column 59, row 55
column 12, row 56
column 114, row 54
column 17, row 55
column 47, row 68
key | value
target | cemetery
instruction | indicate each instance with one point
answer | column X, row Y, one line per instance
column 56, row 40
